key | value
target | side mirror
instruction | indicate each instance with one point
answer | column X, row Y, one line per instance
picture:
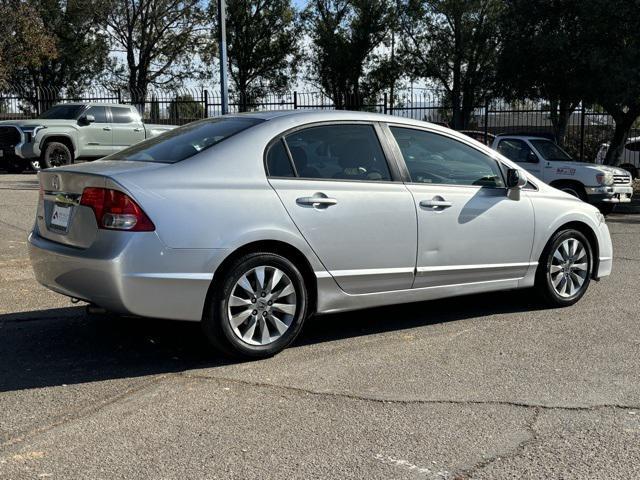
column 87, row 119
column 532, row 158
column 516, row 180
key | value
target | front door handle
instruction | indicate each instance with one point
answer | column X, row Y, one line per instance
column 318, row 200
column 436, row 202
column 106, row 129
column 138, row 129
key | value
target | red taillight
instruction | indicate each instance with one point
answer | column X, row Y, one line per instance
column 115, row 210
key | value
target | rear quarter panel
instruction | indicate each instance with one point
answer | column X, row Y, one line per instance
column 219, row 198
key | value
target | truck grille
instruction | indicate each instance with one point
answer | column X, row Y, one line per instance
column 621, row 179
column 9, row 136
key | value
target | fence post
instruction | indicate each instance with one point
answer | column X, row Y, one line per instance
column 119, row 95
column 582, row 112
column 206, row 103
column 37, row 102
column 295, row 100
column 385, row 99
column 486, row 121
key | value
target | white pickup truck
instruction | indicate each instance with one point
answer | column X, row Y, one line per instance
column 600, row 185
column 72, row 131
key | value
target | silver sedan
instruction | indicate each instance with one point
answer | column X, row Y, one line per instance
column 252, row 223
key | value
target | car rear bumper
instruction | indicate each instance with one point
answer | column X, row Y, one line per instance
column 128, row 273
column 613, row 194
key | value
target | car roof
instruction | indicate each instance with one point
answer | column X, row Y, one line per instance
column 91, row 104
column 331, row 115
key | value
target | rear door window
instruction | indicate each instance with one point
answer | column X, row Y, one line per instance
column 338, row 152
column 122, row 115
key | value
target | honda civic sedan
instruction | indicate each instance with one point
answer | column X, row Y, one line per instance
column 252, row 223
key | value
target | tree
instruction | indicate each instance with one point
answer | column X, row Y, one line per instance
column 613, row 36
column 344, row 35
column 24, row 41
column 544, row 55
column 262, row 43
column 160, row 40
column 454, row 43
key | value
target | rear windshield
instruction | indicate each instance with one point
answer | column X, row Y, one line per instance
column 184, row 142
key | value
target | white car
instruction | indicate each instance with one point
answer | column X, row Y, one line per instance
column 630, row 155
column 600, row 185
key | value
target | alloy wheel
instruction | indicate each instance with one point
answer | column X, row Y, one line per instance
column 262, row 305
column 569, row 267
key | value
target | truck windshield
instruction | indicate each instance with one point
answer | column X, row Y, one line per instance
column 63, row 112
column 551, row 152
column 184, row 142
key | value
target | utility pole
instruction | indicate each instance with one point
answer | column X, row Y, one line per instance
column 222, row 42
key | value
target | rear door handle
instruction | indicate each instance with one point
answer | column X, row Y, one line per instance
column 318, row 200
column 106, row 129
column 137, row 129
column 436, row 202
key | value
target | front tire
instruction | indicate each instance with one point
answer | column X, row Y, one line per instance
column 565, row 267
column 258, row 307
column 56, row 154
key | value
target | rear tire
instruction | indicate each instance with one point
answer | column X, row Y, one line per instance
column 56, row 154
column 565, row 267
column 258, row 307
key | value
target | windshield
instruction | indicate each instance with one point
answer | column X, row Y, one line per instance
column 184, row 142
column 550, row 151
column 63, row 112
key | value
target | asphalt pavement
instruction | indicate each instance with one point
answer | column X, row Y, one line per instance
column 489, row 386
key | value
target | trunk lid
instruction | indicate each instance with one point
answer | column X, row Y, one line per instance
column 60, row 217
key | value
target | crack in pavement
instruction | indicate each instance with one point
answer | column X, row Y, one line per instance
column 514, row 453
column 368, row 398
column 82, row 412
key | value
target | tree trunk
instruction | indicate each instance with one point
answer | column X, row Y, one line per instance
column 620, row 135
column 560, row 114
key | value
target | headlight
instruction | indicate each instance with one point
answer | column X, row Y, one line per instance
column 605, row 178
column 30, row 132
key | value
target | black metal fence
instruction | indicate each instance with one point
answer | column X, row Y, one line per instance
column 588, row 127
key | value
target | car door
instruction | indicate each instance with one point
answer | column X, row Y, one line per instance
column 96, row 138
column 337, row 185
column 469, row 230
column 519, row 151
column 127, row 127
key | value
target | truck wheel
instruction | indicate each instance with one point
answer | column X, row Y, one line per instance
column 575, row 190
column 56, row 154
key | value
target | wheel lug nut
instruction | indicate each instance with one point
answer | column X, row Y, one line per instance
column 269, row 303
column 255, row 312
column 264, row 314
column 264, row 294
column 253, row 300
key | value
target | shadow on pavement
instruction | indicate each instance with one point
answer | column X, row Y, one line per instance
column 65, row 346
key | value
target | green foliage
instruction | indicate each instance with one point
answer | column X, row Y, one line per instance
column 544, row 55
column 160, row 40
column 71, row 30
column 344, row 35
column 612, row 33
column 454, row 43
column 262, row 46
column 184, row 109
